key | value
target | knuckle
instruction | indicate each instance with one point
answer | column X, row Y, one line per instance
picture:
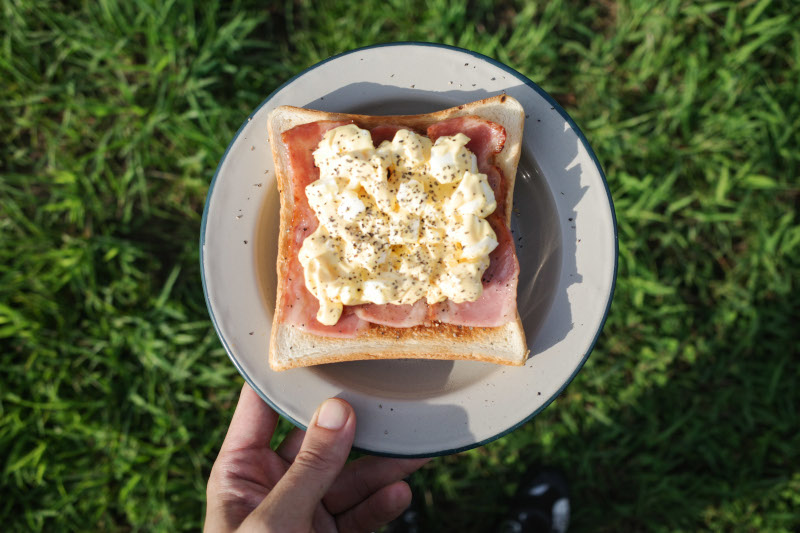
column 314, row 460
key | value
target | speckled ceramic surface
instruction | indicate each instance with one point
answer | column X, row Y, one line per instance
column 566, row 241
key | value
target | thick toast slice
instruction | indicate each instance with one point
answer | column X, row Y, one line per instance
column 291, row 347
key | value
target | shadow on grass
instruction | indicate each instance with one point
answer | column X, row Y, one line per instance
column 721, row 434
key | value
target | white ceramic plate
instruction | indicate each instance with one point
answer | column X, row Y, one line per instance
column 566, row 241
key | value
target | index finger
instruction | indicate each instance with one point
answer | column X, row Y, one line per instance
column 365, row 476
column 252, row 425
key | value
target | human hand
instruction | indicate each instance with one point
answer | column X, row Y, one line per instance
column 304, row 484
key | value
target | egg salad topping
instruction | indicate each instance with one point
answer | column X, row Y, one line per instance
column 397, row 223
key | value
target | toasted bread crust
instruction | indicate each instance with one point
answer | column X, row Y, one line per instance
column 291, row 347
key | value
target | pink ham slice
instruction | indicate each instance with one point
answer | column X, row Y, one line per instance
column 385, row 132
column 396, row 316
column 300, row 306
column 497, row 304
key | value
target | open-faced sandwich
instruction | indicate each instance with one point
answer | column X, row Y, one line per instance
column 394, row 235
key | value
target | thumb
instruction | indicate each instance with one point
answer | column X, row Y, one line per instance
column 322, row 455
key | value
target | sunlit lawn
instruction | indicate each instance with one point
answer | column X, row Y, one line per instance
column 116, row 392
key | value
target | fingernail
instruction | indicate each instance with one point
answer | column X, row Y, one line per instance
column 332, row 415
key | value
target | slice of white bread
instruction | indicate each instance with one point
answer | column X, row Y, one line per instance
column 291, row 347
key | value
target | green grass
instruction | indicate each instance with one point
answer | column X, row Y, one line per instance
column 116, row 392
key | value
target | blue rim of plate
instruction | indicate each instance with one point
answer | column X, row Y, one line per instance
column 557, row 107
